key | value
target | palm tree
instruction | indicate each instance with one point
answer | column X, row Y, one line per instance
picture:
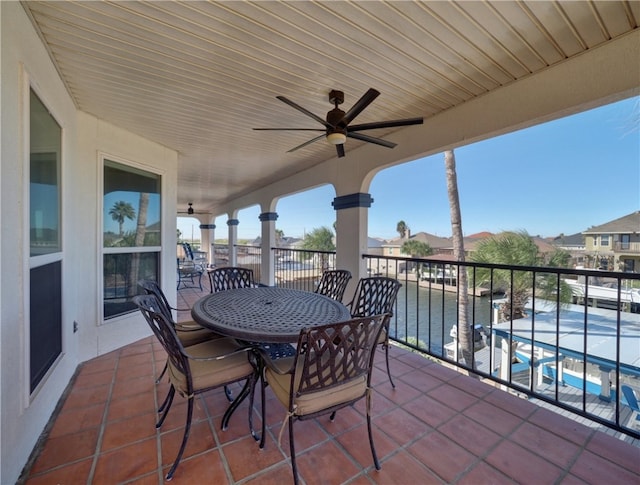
column 416, row 249
column 279, row 237
column 141, row 231
column 519, row 249
column 402, row 228
column 120, row 211
column 319, row 239
column 464, row 332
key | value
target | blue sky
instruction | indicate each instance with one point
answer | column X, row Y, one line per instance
column 559, row 177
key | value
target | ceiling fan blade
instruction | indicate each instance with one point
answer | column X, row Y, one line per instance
column 289, row 129
column 340, row 150
column 366, row 99
column 386, row 124
column 303, row 110
column 371, row 139
column 309, row 142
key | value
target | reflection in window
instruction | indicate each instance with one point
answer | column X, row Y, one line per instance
column 121, row 274
column 131, row 206
column 131, row 219
column 45, row 137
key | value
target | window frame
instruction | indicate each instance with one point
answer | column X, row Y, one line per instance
column 35, row 261
column 106, row 250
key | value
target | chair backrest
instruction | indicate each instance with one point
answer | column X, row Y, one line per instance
column 630, row 396
column 230, row 278
column 333, row 283
column 188, row 251
column 374, row 296
column 153, row 288
column 334, row 354
column 163, row 329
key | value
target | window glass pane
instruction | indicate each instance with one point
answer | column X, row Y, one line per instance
column 44, row 185
column 131, row 206
column 121, row 275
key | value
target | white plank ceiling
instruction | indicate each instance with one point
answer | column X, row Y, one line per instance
column 198, row 76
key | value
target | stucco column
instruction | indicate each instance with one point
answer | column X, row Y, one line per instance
column 208, row 233
column 268, row 240
column 352, row 235
column 233, row 240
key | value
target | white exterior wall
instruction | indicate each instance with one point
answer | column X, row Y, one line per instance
column 25, row 63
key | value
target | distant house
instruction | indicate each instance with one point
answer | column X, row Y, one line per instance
column 439, row 244
column 614, row 245
column 574, row 245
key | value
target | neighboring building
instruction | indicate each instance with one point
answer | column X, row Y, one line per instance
column 614, row 245
column 574, row 245
column 438, row 244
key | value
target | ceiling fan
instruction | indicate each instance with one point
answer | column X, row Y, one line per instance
column 190, row 210
column 337, row 125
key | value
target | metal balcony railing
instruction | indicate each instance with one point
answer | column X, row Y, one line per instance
column 575, row 344
column 570, row 338
column 301, row 269
column 627, row 247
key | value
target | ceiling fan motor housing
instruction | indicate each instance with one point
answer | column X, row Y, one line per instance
column 334, row 117
column 336, row 97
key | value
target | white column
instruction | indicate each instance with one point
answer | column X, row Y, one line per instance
column 207, row 232
column 352, row 236
column 268, row 240
column 233, row 240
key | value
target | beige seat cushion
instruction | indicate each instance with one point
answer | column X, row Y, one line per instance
column 212, row 373
column 194, row 333
column 315, row 401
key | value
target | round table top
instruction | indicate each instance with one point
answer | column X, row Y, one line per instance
column 266, row 314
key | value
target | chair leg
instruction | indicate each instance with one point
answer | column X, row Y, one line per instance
column 386, row 355
column 373, row 448
column 292, row 450
column 187, row 429
column 234, row 405
column 263, row 406
column 254, row 383
column 166, row 405
column 164, row 370
column 166, row 400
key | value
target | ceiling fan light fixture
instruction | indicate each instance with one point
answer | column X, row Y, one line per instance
column 336, row 138
column 190, row 209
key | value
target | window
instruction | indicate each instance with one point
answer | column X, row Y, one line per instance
column 595, row 241
column 604, row 240
column 625, row 241
column 131, row 234
column 628, row 265
column 45, row 275
column 44, row 180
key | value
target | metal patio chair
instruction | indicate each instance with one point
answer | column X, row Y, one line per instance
column 334, row 283
column 189, row 332
column 199, row 368
column 325, row 375
column 230, row 278
column 376, row 295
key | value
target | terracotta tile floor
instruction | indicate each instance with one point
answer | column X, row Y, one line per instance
column 437, row 426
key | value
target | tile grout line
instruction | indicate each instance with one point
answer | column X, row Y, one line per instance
column 103, row 423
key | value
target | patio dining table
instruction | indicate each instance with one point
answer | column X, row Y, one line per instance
column 266, row 314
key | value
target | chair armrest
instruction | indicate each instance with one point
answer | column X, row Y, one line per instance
column 187, row 328
column 219, row 357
